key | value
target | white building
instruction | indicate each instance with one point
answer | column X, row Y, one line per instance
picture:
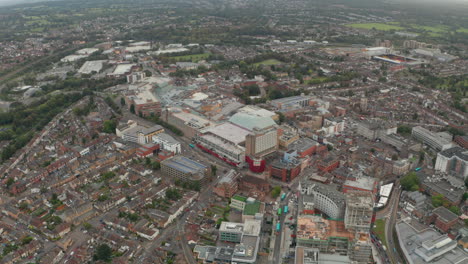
column 167, row 142
column 453, row 161
column 323, row 197
column 437, row 141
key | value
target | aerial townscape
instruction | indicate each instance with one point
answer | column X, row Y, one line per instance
column 234, row 131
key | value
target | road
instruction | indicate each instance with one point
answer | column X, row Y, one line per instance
column 389, row 228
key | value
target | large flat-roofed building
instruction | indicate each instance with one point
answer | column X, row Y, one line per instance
column 306, row 255
column 186, row 170
column 143, row 99
column 247, row 238
column 325, row 198
column 188, row 122
column 437, row 141
column 231, row 232
column 167, row 142
column 292, row 102
column 375, row 129
column 362, row 183
column 428, row 246
column 261, row 141
column 304, row 147
column 138, row 133
column 454, row 161
column 226, row 140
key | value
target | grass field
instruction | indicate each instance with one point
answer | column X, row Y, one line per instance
column 193, row 57
column 268, row 62
column 377, row 26
column 379, row 230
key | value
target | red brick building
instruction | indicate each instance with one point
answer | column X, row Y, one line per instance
column 227, row 185
column 285, row 172
column 462, row 141
column 328, row 164
column 147, row 150
column 443, row 219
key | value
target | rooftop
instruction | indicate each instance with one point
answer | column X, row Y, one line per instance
column 229, row 132
column 457, row 152
column 251, row 122
column 303, row 144
column 306, row 255
column 184, row 164
column 445, row 214
column 239, row 198
column 428, row 246
column 366, row 183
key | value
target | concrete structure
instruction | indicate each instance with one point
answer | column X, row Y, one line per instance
column 328, row 236
column 167, row 142
column 375, row 129
column 143, row 98
column 324, row 198
column 231, row 232
column 186, row 170
column 453, row 161
column 306, row 255
column 134, row 132
column 293, row 102
column 436, row 141
column 428, row 246
column 91, row 67
column 226, row 140
column 188, row 122
column 362, row 183
column 333, row 126
column 359, row 210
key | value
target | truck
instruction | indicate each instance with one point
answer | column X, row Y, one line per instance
column 285, row 209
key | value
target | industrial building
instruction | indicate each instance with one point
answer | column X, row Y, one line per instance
column 427, row 245
column 438, row 141
column 293, row 102
column 137, row 133
column 142, row 98
column 305, row 255
column 186, row 170
column 453, row 161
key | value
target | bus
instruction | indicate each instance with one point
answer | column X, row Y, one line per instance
column 418, row 169
column 279, row 211
column 192, row 145
column 285, row 209
column 283, row 196
column 278, row 227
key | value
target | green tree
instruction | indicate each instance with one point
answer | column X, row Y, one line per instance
column 437, row 200
column 103, row 252
column 122, row 101
column 275, row 192
column 109, row 126
column 214, row 169
column 455, row 209
column 281, row 117
column 132, row 108
column 410, row 182
column 404, row 130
